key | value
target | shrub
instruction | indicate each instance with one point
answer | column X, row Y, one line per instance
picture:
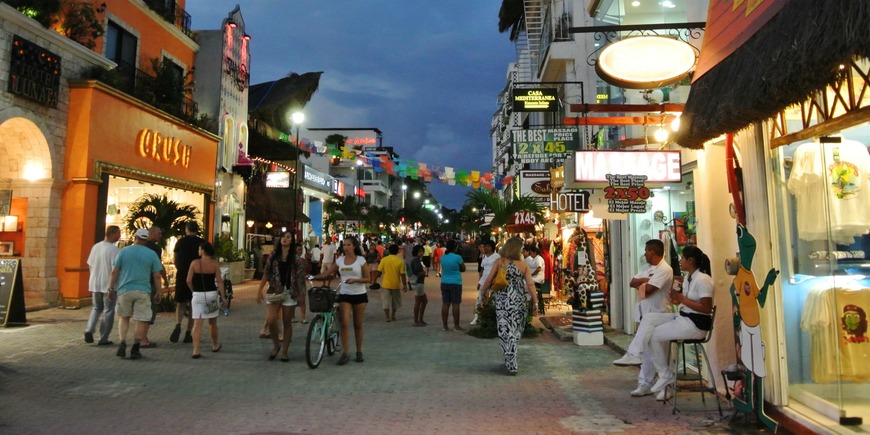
column 487, row 322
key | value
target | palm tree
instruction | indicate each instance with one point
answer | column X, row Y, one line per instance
column 152, row 209
column 344, row 210
column 500, row 209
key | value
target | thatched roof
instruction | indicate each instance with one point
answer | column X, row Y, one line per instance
column 797, row 52
column 273, row 102
column 510, row 16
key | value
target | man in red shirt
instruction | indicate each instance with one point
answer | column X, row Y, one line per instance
column 436, row 258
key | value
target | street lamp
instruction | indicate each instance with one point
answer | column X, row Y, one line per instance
column 404, row 194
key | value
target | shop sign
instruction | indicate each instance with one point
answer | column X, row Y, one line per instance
column 237, row 72
column 655, row 166
column 576, row 202
column 535, row 100
column 522, row 218
column 166, row 149
column 536, row 185
column 338, row 188
column 278, row 180
column 557, row 177
column 626, row 193
column 361, row 141
column 317, row 179
column 547, row 145
column 34, row 72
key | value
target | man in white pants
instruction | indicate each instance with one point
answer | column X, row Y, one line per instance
column 652, row 283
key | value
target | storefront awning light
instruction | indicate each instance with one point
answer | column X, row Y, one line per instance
column 645, row 62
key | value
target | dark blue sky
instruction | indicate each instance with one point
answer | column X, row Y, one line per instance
column 427, row 74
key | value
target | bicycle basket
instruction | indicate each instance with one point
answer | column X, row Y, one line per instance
column 320, row 299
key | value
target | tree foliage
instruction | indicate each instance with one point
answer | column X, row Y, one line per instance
column 152, row 209
column 502, row 210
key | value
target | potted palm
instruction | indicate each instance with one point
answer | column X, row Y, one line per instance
column 249, row 266
column 231, row 257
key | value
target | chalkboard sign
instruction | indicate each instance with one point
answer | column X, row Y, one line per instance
column 11, row 293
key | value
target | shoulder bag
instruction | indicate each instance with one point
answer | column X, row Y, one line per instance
column 211, row 306
column 499, row 283
column 276, row 294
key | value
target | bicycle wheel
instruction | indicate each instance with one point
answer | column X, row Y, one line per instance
column 334, row 335
column 316, row 343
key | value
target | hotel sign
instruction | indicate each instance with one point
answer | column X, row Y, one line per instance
column 34, row 72
column 278, row 180
column 535, row 100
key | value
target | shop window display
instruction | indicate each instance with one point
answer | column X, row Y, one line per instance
column 823, row 194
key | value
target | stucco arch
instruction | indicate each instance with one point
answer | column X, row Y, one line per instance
column 25, row 141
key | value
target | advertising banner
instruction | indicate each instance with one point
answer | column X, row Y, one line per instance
column 536, row 184
column 547, row 145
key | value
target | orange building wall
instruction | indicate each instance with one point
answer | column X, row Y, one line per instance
column 103, row 126
column 154, row 39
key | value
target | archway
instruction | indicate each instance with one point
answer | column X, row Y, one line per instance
column 26, row 169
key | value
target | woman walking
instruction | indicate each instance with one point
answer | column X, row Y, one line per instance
column 510, row 302
column 278, row 275
column 204, row 277
column 352, row 296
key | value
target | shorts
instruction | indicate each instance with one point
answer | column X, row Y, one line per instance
column 198, row 308
column 427, row 261
column 354, row 299
column 418, row 289
column 135, row 304
column 183, row 293
column 391, row 298
column 451, row 293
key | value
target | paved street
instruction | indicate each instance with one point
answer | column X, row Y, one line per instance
column 413, row 380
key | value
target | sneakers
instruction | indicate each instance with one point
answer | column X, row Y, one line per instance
column 175, row 334
column 343, row 360
column 663, row 382
column 122, row 350
column 134, row 352
column 641, row 390
column 663, row 395
column 89, row 337
column 627, row 360
column 359, row 357
column 187, row 337
column 474, row 322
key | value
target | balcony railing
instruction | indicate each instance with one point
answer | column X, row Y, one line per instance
column 171, row 12
column 140, row 84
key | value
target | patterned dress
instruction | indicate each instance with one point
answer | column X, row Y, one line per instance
column 510, row 315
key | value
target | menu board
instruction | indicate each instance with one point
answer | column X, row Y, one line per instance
column 12, row 310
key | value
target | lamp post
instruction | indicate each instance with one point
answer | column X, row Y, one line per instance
column 404, row 194
column 296, row 118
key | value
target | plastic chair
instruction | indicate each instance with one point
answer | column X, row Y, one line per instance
column 700, row 386
column 545, row 296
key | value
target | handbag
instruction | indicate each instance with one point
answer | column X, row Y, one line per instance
column 500, row 281
column 211, row 306
column 277, row 294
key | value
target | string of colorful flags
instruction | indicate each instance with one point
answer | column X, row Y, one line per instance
column 410, row 168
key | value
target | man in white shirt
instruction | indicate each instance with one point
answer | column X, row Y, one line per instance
column 100, row 264
column 537, row 266
column 328, row 253
column 490, row 257
column 652, row 283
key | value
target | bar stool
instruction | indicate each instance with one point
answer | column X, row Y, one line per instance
column 683, row 375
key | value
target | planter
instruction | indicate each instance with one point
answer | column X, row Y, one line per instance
column 237, row 271
column 249, row 274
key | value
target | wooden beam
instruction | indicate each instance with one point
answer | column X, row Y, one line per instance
column 620, row 108
column 619, row 120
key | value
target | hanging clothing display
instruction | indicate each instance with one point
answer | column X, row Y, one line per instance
column 838, row 172
column 836, row 319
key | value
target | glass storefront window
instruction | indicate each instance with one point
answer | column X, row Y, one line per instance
column 822, row 195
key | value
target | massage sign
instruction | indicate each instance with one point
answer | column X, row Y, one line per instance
column 626, row 193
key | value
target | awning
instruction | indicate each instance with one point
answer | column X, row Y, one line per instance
column 273, row 205
column 798, row 51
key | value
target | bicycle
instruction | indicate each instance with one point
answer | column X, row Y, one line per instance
column 324, row 331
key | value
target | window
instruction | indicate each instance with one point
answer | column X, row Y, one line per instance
column 121, row 48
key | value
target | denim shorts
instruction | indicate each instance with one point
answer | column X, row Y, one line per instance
column 451, row 293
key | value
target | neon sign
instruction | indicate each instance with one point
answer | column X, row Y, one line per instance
column 165, row 149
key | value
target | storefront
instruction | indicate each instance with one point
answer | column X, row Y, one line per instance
column 36, row 65
column 119, row 149
column 804, row 165
column 317, row 188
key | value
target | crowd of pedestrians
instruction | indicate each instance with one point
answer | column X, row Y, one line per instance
column 135, row 279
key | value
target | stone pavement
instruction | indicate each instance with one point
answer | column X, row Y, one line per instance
column 413, row 380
